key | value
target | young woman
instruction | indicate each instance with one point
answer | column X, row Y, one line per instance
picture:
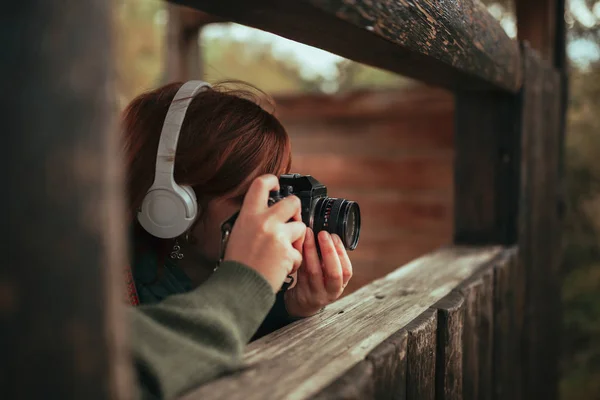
column 194, row 319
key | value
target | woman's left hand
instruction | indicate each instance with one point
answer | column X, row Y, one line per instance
column 319, row 283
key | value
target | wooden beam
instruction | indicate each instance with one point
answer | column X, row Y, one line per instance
column 62, row 332
column 347, row 331
column 454, row 45
column 539, row 235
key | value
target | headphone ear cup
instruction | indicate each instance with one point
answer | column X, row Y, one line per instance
column 167, row 213
column 193, row 203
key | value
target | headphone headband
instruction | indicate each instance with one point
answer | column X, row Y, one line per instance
column 169, row 136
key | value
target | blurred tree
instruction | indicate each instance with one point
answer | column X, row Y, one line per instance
column 139, row 37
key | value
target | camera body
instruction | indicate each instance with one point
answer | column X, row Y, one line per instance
column 305, row 187
column 320, row 212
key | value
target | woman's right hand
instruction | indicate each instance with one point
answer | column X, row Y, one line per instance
column 263, row 237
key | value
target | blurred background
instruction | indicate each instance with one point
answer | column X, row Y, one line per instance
column 366, row 135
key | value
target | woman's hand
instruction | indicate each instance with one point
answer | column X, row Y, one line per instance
column 319, row 283
column 262, row 238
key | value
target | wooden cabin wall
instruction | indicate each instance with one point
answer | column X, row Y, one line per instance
column 392, row 152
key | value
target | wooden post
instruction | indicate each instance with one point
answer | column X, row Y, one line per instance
column 508, row 328
column 62, row 332
column 422, row 339
column 184, row 59
column 448, row 364
column 539, row 245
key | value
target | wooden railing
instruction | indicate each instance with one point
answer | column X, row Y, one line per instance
column 434, row 328
column 469, row 321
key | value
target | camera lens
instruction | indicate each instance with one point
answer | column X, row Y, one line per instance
column 339, row 216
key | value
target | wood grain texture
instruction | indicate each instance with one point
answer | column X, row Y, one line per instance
column 61, row 280
column 389, row 361
column 539, row 246
column 356, row 384
column 309, row 355
column 478, row 335
column 449, row 367
column 452, row 44
column 420, row 377
column 508, row 327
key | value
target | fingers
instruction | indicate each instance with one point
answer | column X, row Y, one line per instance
column 287, row 209
column 295, row 231
column 344, row 259
column 312, row 263
column 332, row 267
column 257, row 197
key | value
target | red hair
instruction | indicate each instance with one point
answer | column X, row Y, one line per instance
column 226, row 137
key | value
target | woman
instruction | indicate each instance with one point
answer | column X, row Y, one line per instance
column 229, row 152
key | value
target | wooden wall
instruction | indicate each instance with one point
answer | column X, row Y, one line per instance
column 392, row 152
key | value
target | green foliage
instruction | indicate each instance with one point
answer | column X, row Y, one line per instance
column 581, row 260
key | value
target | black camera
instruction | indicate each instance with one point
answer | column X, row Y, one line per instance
column 319, row 212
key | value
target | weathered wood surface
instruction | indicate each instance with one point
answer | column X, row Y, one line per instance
column 448, row 365
column 508, row 327
column 356, row 384
column 61, row 336
column 451, row 44
column 486, row 171
column 539, row 246
column 420, row 376
column 381, row 376
column 389, row 361
column 478, row 335
column 347, row 331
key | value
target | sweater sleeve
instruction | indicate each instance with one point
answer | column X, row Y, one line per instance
column 189, row 339
column 277, row 318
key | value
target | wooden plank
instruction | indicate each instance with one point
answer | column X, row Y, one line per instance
column 389, row 361
column 420, row 377
column 307, row 356
column 407, row 172
column 508, row 296
column 356, row 384
column 431, row 134
column 457, row 45
column 449, row 368
column 536, row 25
column 62, row 334
column 478, row 336
column 486, row 167
column 539, row 246
column 412, row 103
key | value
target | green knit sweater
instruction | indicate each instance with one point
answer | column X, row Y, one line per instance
column 188, row 339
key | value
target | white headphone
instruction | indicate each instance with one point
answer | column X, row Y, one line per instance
column 168, row 209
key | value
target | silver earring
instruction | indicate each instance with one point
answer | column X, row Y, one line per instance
column 176, row 253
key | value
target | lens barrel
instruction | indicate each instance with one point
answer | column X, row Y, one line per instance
column 339, row 216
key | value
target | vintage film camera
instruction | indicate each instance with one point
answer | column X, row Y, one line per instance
column 319, row 212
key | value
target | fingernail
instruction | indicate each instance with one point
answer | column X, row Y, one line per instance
column 336, row 239
column 325, row 235
column 309, row 235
